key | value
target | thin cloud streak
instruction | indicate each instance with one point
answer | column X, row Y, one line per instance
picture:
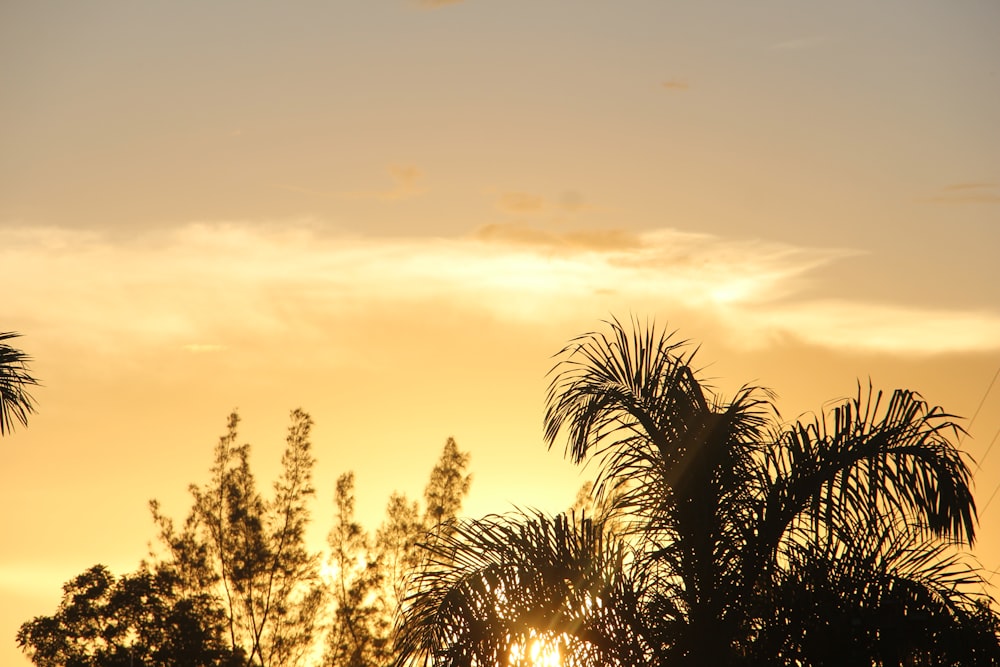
column 406, row 180
column 799, row 43
column 676, row 85
column 435, row 4
column 520, row 202
column 201, row 287
column 527, row 203
column 600, row 240
column 969, row 193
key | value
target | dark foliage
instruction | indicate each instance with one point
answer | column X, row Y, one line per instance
column 16, row 403
column 739, row 540
column 137, row 619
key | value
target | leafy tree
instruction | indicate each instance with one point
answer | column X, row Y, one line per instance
column 139, row 619
column 359, row 635
column 371, row 575
column 448, row 485
column 396, row 547
column 251, row 552
column 748, row 542
column 16, row 403
column 584, row 501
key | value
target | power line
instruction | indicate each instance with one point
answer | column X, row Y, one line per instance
column 981, row 402
column 979, row 464
column 992, row 496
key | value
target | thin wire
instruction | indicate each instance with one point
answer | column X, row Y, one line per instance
column 979, row 464
column 981, row 402
column 992, row 496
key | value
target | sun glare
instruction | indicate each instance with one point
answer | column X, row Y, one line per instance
column 328, row 571
column 544, row 654
column 538, row 651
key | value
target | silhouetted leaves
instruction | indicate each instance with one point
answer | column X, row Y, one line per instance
column 16, row 403
column 250, row 551
column 744, row 541
column 370, row 577
column 143, row 618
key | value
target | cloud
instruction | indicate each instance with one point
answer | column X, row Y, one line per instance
column 595, row 240
column 969, row 193
column 520, row 203
column 885, row 327
column 228, row 283
column 435, row 4
column 799, row 43
column 676, row 85
column 526, row 203
column 963, row 187
column 407, row 179
column 572, row 202
column 406, row 183
column 199, row 348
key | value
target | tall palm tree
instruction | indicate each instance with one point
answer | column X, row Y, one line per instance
column 829, row 541
column 15, row 401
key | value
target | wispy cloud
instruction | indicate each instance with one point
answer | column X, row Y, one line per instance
column 226, row 282
column 968, row 193
column 527, row 203
column 799, row 43
column 520, row 202
column 596, row 240
column 405, row 184
column 200, row 348
column 676, row 85
column 434, row 4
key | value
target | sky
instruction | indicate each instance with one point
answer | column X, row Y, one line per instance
column 392, row 214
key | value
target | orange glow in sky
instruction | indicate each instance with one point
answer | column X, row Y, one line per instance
column 393, row 213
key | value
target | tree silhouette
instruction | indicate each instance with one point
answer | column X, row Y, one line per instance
column 745, row 541
column 250, row 551
column 448, row 485
column 359, row 633
column 370, row 576
column 144, row 618
column 16, row 402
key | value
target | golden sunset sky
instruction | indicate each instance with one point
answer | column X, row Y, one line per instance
column 392, row 214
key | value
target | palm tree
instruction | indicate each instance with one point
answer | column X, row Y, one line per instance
column 15, row 401
column 829, row 541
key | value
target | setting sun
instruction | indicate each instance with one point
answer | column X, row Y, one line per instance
column 540, row 650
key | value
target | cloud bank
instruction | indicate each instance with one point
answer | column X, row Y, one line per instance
column 200, row 287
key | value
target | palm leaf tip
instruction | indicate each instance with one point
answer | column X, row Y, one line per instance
column 598, row 373
column 16, row 402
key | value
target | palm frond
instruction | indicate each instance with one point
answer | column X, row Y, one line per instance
column 862, row 461
column 16, row 403
column 494, row 583
column 880, row 592
column 604, row 384
column 823, row 542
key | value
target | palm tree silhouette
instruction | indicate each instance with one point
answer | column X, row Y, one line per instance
column 15, row 401
column 738, row 540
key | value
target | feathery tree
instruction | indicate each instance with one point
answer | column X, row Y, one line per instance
column 359, row 634
column 251, row 551
column 370, row 576
column 447, row 487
